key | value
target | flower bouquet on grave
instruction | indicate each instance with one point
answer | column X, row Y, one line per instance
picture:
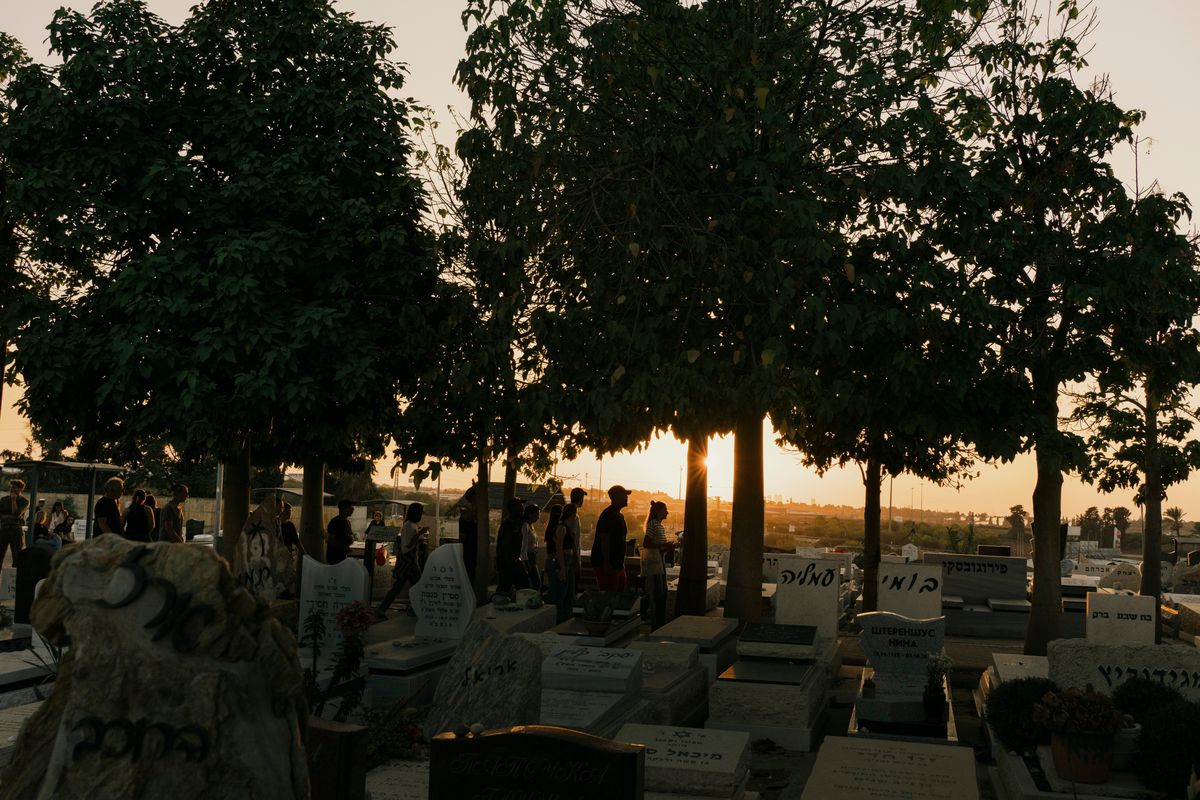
column 937, row 671
column 1082, row 726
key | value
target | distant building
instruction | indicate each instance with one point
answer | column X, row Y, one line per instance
column 540, row 496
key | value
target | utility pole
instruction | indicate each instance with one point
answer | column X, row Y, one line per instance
column 891, row 480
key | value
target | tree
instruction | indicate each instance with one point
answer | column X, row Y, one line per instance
column 1121, row 517
column 1047, row 225
column 1017, row 516
column 1090, row 525
column 1174, row 515
column 232, row 203
column 700, row 155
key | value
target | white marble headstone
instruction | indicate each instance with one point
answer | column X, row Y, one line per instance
column 327, row 589
column 912, row 590
column 690, row 761
column 911, row 552
column 809, row 593
column 1120, row 618
column 770, row 567
column 898, row 649
column 443, row 598
column 593, row 669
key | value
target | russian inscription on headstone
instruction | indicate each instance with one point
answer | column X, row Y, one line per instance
column 898, row 649
column 533, row 760
column 443, row 598
column 809, row 593
column 1120, row 618
column 911, row 590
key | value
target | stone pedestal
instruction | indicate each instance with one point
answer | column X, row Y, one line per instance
column 713, row 635
column 781, row 701
column 406, row 669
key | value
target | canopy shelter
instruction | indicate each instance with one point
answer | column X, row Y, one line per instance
column 36, row 468
column 287, row 491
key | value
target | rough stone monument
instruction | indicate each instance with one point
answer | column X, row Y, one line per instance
column 266, row 567
column 177, row 684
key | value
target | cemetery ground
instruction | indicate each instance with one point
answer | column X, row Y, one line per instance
column 818, row 699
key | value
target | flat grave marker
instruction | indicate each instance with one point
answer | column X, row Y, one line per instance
column 593, row 669
column 863, row 769
column 691, row 760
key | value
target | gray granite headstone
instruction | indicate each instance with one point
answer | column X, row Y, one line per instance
column 443, row 598
column 977, row 579
column 491, row 679
column 898, row 649
column 1077, row 663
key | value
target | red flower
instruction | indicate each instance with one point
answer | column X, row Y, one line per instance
column 355, row 619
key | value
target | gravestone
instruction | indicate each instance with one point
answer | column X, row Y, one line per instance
column 1093, row 568
column 1076, row 663
column 770, row 567
column 862, row 769
column 1123, row 576
column 911, row 590
column 898, row 649
column 265, row 566
column 443, row 598
column 594, row 669
column 8, row 584
column 809, row 593
column 534, row 761
column 978, row 579
column 993, row 550
column 691, row 761
column 1120, row 618
column 772, row 640
column 207, row 687
column 491, row 679
column 910, row 552
column 589, row 712
column 326, row 589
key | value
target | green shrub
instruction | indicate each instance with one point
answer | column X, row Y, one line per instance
column 1010, row 712
column 1167, row 747
column 1139, row 697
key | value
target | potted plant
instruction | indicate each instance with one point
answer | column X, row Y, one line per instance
column 1082, row 726
column 1009, row 712
column 597, row 613
column 937, row 669
column 1138, row 698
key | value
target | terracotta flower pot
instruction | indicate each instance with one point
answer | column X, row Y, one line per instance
column 1082, row 757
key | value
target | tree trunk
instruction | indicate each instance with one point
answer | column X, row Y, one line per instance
column 483, row 551
column 873, row 480
column 312, row 504
column 743, row 587
column 235, row 494
column 693, row 566
column 1152, row 531
column 510, row 480
column 1045, row 618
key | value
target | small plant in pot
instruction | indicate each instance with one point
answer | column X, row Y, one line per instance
column 1010, row 713
column 598, row 613
column 937, row 670
column 1082, row 725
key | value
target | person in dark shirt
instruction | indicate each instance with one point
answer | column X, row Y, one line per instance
column 12, row 520
column 107, row 513
column 510, row 568
column 139, row 520
column 339, row 535
column 287, row 528
column 468, row 530
column 608, row 545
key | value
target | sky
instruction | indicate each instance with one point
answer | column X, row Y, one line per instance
column 1147, row 48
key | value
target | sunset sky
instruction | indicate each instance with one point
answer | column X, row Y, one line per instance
column 1148, row 48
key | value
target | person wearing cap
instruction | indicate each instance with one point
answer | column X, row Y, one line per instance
column 608, row 545
column 339, row 535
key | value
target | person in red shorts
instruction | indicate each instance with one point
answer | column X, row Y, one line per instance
column 608, row 545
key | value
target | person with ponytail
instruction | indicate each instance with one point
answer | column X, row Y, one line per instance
column 653, row 567
column 560, row 559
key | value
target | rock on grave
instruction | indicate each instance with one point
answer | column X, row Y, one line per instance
column 1078, row 662
column 911, row 589
column 691, row 761
column 898, row 649
column 809, row 593
column 491, row 679
column 177, row 684
column 443, row 598
column 1123, row 576
column 1120, row 618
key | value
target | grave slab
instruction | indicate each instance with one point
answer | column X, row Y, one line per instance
column 898, row 771
column 773, row 640
column 1078, row 662
column 1120, row 618
column 590, row 712
column 399, row 780
column 695, row 761
column 594, row 669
